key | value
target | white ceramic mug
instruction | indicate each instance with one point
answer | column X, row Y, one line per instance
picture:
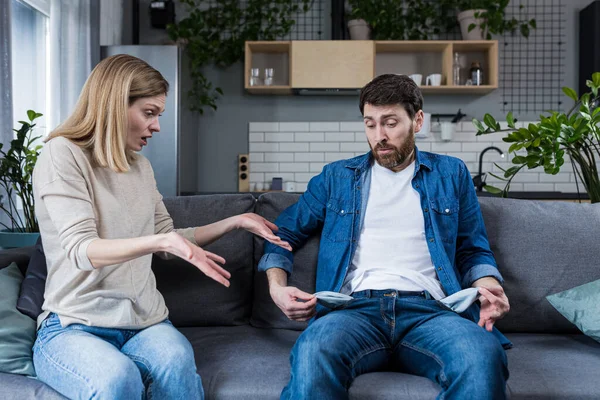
column 433, row 80
column 417, row 78
column 448, row 131
column 290, row 186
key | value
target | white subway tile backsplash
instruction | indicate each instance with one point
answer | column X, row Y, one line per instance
column 316, row 167
column 263, row 147
column 538, row 187
column 293, row 127
column 568, row 187
column 264, row 126
column 297, row 151
column 330, row 157
column 339, row 136
column 293, row 167
column 265, row 167
column 257, row 176
column 256, row 137
column 352, row 126
column 360, row 136
column 279, row 137
column 276, row 157
column 309, row 156
column 303, row 177
column 324, row 147
column 324, row 126
column 356, row 147
column 442, row 147
column 294, row 147
column 309, row 137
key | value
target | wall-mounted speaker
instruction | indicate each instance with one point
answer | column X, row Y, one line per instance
column 243, row 173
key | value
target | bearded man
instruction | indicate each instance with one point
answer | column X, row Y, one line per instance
column 401, row 229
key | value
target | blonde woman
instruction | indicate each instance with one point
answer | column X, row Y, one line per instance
column 104, row 332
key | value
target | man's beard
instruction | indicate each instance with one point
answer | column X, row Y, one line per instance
column 398, row 155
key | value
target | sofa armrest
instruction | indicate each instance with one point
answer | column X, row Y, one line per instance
column 19, row 255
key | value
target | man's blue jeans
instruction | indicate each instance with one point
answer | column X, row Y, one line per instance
column 403, row 331
column 83, row 362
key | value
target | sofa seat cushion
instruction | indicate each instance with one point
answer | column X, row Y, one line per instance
column 18, row 387
column 551, row 366
column 244, row 362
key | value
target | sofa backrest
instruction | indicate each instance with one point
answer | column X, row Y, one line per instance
column 265, row 314
column 541, row 247
column 192, row 298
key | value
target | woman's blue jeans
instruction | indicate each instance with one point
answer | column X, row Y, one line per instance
column 407, row 332
column 83, row 362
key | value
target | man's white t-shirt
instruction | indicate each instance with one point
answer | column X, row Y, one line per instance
column 392, row 250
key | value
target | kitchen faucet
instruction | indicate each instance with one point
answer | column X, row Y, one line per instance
column 478, row 180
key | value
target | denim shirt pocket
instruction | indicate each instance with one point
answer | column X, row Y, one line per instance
column 338, row 221
column 446, row 217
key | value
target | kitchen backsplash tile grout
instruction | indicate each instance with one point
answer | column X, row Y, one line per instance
column 297, row 151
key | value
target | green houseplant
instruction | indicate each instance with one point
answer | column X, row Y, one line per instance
column 545, row 144
column 479, row 19
column 403, row 19
column 217, row 34
column 16, row 169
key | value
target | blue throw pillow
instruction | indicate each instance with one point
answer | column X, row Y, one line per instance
column 17, row 331
column 580, row 306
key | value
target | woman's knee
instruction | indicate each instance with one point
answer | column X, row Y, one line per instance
column 120, row 379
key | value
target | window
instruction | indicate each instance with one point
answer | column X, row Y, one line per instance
column 30, row 61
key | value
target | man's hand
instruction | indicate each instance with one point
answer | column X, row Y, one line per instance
column 204, row 260
column 286, row 298
column 494, row 303
column 261, row 227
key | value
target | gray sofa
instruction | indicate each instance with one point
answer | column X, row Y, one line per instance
column 242, row 341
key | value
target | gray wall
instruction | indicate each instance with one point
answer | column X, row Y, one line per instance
column 211, row 143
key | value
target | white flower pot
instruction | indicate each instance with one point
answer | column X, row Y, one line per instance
column 467, row 18
column 359, row 29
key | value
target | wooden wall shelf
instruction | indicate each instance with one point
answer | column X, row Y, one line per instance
column 349, row 64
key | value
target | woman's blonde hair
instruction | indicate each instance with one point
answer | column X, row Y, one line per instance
column 99, row 121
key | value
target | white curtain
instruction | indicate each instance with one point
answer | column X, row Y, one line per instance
column 74, row 51
column 6, row 133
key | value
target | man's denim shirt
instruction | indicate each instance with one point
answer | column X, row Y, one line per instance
column 335, row 203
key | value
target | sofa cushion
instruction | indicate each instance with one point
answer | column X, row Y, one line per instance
column 580, row 306
column 17, row 331
column 262, row 370
column 541, row 247
column 18, row 387
column 250, row 363
column 192, row 298
column 265, row 314
column 31, row 297
column 553, row 366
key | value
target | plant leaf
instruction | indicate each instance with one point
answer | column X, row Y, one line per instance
column 510, row 120
column 492, row 189
column 570, row 93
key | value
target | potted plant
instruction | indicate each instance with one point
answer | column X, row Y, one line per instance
column 479, row 19
column 403, row 20
column 16, row 170
column 215, row 35
column 575, row 134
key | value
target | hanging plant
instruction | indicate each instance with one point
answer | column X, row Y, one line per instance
column 216, row 35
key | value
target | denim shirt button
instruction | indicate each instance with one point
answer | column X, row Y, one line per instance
column 426, row 209
column 447, row 210
column 342, row 212
column 417, row 186
column 431, row 240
